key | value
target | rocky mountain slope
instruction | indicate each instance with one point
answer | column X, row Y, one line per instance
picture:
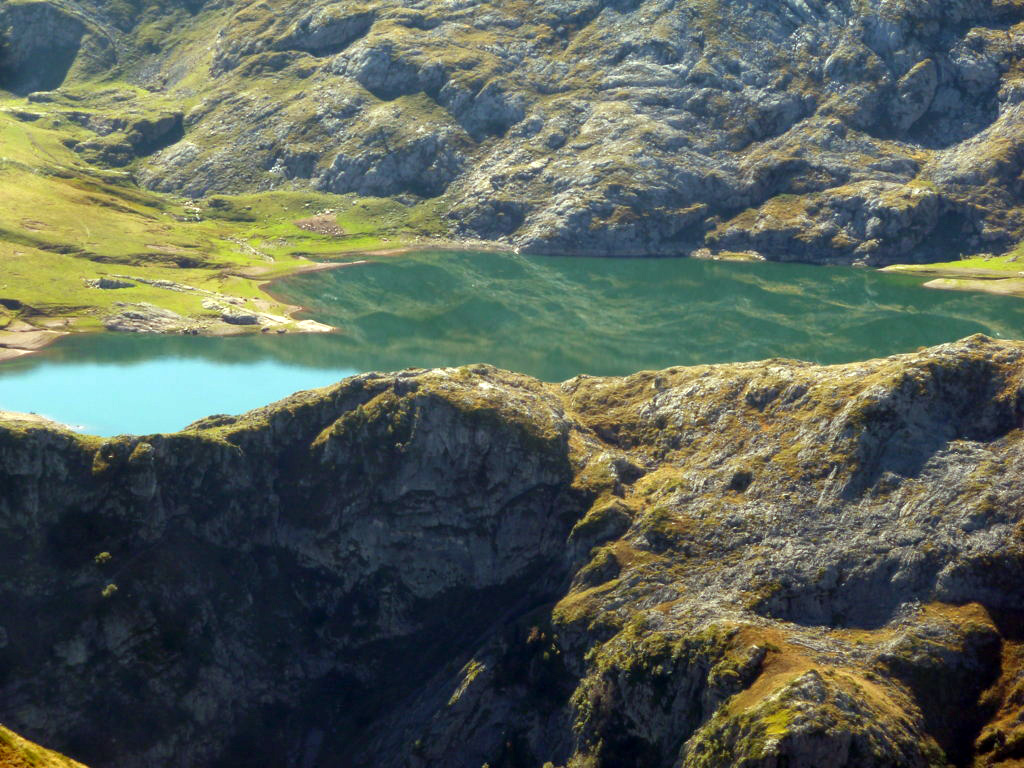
column 757, row 564
column 819, row 130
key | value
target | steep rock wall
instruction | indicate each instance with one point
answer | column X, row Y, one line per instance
column 749, row 564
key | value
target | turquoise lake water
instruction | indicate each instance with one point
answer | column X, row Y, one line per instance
column 548, row 317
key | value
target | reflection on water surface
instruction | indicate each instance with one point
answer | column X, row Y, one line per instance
column 548, row 317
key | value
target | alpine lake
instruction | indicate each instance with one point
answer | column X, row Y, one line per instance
column 550, row 317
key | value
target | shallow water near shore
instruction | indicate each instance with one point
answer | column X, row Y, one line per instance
column 548, row 317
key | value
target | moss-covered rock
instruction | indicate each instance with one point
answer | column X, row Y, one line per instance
column 814, row 131
column 748, row 564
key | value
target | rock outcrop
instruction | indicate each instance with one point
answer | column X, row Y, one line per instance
column 816, row 130
column 39, row 43
column 757, row 564
column 143, row 317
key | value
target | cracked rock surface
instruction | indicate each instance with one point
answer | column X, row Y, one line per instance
column 817, row 130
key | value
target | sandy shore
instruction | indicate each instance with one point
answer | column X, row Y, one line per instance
column 442, row 245
column 1001, row 282
column 20, row 338
column 1001, row 286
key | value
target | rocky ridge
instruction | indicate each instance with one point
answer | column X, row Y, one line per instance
column 753, row 564
column 816, row 130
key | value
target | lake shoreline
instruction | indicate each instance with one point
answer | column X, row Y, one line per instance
column 21, row 338
column 1001, row 279
column 551, row 318
column 26, row 339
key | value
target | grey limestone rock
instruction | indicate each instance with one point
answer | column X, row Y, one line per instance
column 753, row 564
column 914, row 94
column 109, row 283
column 144, row 318
column 39, row 46
column 654, row 126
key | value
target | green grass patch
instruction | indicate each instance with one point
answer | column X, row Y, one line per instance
column 65, row 222
column 1009, row 262
column 16, row 751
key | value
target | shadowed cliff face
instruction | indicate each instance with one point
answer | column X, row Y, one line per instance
column 748, row 564
column 38, row 44
column 813, row 130
column 280, row 581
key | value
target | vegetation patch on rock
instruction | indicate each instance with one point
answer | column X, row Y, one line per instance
column 819, row 131
column 748, row 564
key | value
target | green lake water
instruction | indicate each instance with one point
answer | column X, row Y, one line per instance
column 549, row 317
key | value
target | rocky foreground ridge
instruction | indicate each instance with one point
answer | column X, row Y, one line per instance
column 757, row 564
column 817, row 130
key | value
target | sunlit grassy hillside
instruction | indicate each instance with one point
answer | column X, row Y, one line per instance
column 64, row 222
